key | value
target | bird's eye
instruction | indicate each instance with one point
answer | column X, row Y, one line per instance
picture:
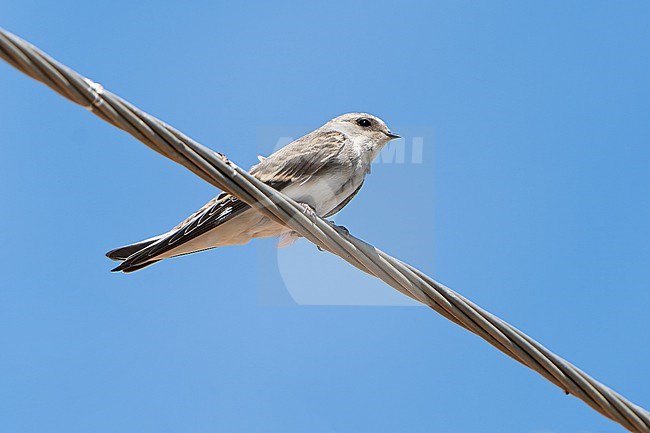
column 364, row 123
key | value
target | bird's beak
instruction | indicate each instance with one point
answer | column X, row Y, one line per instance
column 392, row 136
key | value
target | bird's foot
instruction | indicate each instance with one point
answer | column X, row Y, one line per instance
column 222, row 156
column 342, row 230
column 311, row 213
column 308, row 210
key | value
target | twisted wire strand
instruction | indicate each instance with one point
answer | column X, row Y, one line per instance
column 216, row 169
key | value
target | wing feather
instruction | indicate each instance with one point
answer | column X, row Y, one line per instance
column 300, row 160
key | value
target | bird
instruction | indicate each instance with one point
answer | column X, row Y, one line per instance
column 322, row 170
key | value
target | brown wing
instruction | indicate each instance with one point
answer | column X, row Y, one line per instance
column 300, row 160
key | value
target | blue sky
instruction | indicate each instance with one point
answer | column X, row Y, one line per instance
column 530, row 198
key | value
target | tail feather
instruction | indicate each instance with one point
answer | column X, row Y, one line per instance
column 127, row 252
column 122, row 253
column 127, row 267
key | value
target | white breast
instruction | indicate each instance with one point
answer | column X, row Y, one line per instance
column 323, row 193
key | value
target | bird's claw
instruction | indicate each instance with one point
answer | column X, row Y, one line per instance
column 342, row 230
column 308, row 210
column 222, row 157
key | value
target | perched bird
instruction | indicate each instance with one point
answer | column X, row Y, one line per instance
column 322, row 170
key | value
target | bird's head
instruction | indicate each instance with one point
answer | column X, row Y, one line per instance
column 363, row 127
